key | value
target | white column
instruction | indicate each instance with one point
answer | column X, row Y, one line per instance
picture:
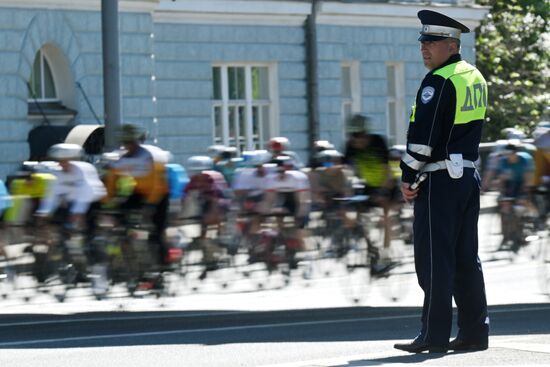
column 225, row 106
column 248, row 94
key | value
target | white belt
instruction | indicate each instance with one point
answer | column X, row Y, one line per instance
column 436, row 166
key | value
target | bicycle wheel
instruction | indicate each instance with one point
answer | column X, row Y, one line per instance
column 396, row 282
column 7, row 277
column 356, row 261
column 544, row 267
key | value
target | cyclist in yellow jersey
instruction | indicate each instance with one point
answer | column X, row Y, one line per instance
column 368, row 154
column 27, row 189
column 145, row 164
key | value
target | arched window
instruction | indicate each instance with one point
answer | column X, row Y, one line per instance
column 51, row 92
column 42, row 85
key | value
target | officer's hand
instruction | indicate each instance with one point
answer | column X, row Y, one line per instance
column 408, row 194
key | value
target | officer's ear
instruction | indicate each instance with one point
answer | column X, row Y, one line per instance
column 454, row 45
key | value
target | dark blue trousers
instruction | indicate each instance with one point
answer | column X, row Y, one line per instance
column 446, row 213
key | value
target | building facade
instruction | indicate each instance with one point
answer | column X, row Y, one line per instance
column 199, row 72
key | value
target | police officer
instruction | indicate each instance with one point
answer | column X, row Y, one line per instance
column 442, row 146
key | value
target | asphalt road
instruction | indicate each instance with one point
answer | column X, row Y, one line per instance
column 352, row 336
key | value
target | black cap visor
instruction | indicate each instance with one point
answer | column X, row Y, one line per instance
column 429, row 37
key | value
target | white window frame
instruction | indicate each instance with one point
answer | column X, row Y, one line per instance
column 248, row 103
column 44, row 58
column 353, row 101
column 398, row 100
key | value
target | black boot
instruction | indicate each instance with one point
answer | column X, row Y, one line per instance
column 465, row 345
column 419, row 346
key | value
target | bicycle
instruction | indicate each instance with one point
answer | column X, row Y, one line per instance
column 60, row 262
column 359, row 245
column 275, row 244
column 132, row 259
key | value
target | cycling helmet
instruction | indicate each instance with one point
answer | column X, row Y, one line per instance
column 512, row 145
column 321, row 145
column 513, row 133
column 327, row 158
column 329, row 155
column 357, row 124
column 199, row 163
column 260, row 157
column 278, row 144
column 110, row 157
column 254, row 158
column 216, row 150
column 131, row 133
column 247, row 156
column 46, row 167
column 65, row 151
column 283, row 161
column 229, row 153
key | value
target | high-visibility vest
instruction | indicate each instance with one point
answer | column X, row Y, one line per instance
column 471, row 91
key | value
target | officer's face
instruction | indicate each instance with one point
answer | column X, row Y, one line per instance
column 435, row 53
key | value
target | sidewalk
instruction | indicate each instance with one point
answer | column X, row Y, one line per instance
column 504, row 351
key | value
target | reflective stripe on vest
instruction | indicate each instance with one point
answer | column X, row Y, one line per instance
column 471, row 91
column 413, row 113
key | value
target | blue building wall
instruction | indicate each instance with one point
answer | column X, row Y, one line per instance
column 184, row 56
column 77, row 36
column 373, row 47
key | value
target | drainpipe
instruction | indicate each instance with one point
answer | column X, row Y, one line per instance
column 111, row 72
column 312, row 76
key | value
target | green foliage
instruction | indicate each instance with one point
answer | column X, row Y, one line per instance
column 513, row 54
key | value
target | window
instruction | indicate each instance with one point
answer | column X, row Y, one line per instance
column 51, row 87
column 41, row 84
column 351, row 92
column 395, row 112
column 242, row 105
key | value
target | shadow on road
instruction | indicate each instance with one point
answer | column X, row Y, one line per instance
column 411, row 358
column 349, row 324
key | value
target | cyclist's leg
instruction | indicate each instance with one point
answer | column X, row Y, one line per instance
column 505, row 211
column 158, row 235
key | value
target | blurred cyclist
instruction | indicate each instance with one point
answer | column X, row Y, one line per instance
column 288, row 192
column 206, row 199
column 280, row 146
column 224, row 160
column 368, row 154
column 5, row 203
column 145, row 164
column 250, row 181
column 27, row 188
column 542, row 154
column 541, row 180
column 515, row 175
column 329, row 180
column 318, row 147
column 77, row 189
column 73, row 200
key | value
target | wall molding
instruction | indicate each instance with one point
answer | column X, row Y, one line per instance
column 89, row 5
column 292, row 13
column 265, row 12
